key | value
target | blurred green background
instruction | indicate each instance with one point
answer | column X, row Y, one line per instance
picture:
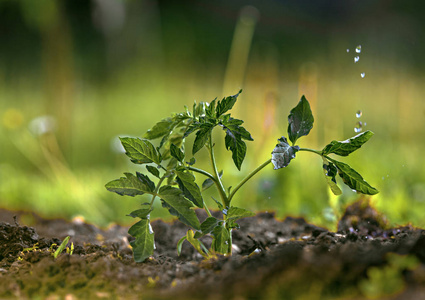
column 75, row 75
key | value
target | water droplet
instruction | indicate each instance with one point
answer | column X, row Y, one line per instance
column 356, row 59
column 359, row 113
column 358, row 127
column 362, row 74
column 359, row 49
column 348, row 50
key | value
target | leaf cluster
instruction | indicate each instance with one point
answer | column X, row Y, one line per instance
column 300, row 122
column 170, row 171
column 167, row 162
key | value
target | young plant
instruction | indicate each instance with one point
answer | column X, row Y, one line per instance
column 175, row 173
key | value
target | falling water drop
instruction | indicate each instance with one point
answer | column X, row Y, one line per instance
column 359, row 49
column 356, row 59
column 358, row 127
column 359, row 113
column 362, row 74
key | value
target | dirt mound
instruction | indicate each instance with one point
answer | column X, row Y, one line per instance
column 272, row 259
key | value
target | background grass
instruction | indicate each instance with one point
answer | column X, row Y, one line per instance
column 101, row 73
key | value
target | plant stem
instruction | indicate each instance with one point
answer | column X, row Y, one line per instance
column 250, row 175
column 200, row 171
column 217, row 181
column 206, row 209
column 155, row 192
column 311, row 150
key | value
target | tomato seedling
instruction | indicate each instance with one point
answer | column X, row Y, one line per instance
column 175, row 174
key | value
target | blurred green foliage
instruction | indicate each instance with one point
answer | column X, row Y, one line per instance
column 90, row 68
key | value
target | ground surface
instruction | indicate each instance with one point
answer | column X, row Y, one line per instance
column 273, row 259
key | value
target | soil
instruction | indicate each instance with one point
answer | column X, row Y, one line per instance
column 272, row 259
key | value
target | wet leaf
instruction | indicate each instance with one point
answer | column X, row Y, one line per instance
column 140, row 151
column 188, row 186
column 353, row 179
column 300, row 120
column 283, row 153
column 179, row 206
column 346, row 147
column 143, row 245
column 129, row 185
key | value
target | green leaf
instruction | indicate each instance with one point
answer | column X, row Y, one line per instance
column 209, row 224
column 187, row 184
column 353, row 179
column 129, row 186
column 61, row 247
column 209, row 182
column 235, row 133
column 221, row 241
column 154, row 171
column 143, row 245
column 176, row 152
column 140, row 151
column 300, row 120
column 283, row 153
column 191, row 162
column 226, row 104
column 199, row 109
column 236, row 213
column 195, row 243
column 201, row 138
column 142, row 213
column 180, row 244
column 175, row 139
column 160, row 129
column 237, row 146
column 346, row 147
column 210, row 109
column 146, row 181
column 330, row 171
column 179, row 206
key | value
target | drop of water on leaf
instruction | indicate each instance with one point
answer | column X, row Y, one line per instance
column 358, row 127
column 362, row 74
column 358, row 113
column 356, row 59
column 359, row 49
